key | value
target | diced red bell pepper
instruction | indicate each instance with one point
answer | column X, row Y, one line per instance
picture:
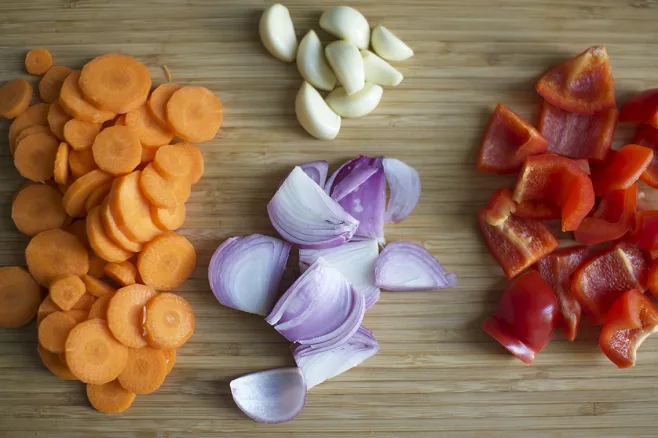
column 645, row 234
column 622, row 169
column 641, row 108
column 508, row 139
column 583, row 163
column 582, row 85
column 538, row 209
column 525, row 317
column 647, row 136
column 599, row 281
column 653, row 256
column 577, row 135
column 560, row 181
column 631, row 319
column 614, row 217
column 652, row 282
column 557, row 269
column 516, row 243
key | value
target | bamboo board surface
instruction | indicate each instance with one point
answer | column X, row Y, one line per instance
column 438, row 374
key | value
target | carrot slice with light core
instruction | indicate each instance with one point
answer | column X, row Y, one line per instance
column 169, row 321
column 145, row 370
column 20, row 297
column 117, row 150
column 110, row 398
column 125, row 314
column 55, row 253
column 194, row 114
column 15, row 97
column 37, row 208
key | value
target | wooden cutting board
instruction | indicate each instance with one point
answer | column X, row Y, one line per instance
column 438, row 374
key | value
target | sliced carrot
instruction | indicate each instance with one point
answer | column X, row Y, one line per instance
column 51, row 83
column 124, row 273
column 167, row 261
column 36, row 129
column 20, row 297
column 76, row 196
column 24, row 185
column 131, row 210
column 61, row 170
column 38, row 61
column 170, row 355
column 163, row 192
column 125, row 314
column 117, row 150
column 80, row 315
column 96, row 287
column 148, row 154
column 75, row 104
column 157, row 102
column 97, row 197
column 110, row 398
column 35, row 157
column 54, row 364
column 66, row 291
column 149, row 130
column 15, row 97
column 46, row 307
column 81, row 162
column 37, row 208
column 168, row 322
column 85, row 302
column 55, row 253
column 96, row 265
column 121, row 120
column 79, row 229
column 34, row 115
column 197, row 165
column 92, row 353
column 64, row 187
column 173, row 161
column 168, row 219
column 99, row 308
column 54, row 330
column 194, row 114
column 145, row 370
column 57, row 118
column 115, row 233
column 99, row 241
column 80, row 135
column 114, row 82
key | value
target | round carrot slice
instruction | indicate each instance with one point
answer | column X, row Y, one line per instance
column 110, row 398
column 121, row 120
column 157, row 102
column 38, row 61
column 124, row 273
column 54, row 330
column 75, row 104
column 197, row 161
column 168, row 322
column 34, row 115
column 167, row 261
column 76, row 196
column 35, row 157
column 85, row 302
column 55, row 253
column 20, row 297
column 102, row 245
column 168, row 219
column 114, row 82
column 51, row 83
column 79, row 229
column 148, row 153
column 80, row 315
column 115, row 233
column 57, row 118
column 38, row 208
column 80, row 135
column 173, row 161
column 96, row 265
column 61, row 170
column 92, row 353
column 81, row 162
column 99, row 308
column 54, row 364
column 149, row 130
column 125, row 314
column 163, row 192
column 36, row 129
column 46, row 307
column 117, row 150
column 170, row 355
column 97, row 197
column 131, row 210
column 96, row 287
column 15, row 97
column 145, row 370
column 194, row 114
column 66, row 291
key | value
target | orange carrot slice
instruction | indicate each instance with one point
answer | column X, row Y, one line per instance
column 61, row 170
column 131, row 210
column 157, row 102
column 110, row 398
column 168, row 322
column 80, row 315
column 75, row 104
column 168, row 219
column 46, row 307
column 79, row 229
column 115, row 233
column 35, row 157
column 145, row 370
column 54, row 330
column 80, row 135
column 167, row 261
column 170, row 355
column 194, row 114
column 50, row 85
column 163, row 192
column 97, row 197
column 57, row 118
column 76, row 196
column 20, row 297
column 81, row 162
column 96, row 264
column 15, row 97
column 124, row 273
column 117, row 150
column 125, row 314
column 99, row 308
column 37, row 208
column 173, row 161
column 38, row 61
column 54, row 364
column 150, row 132
column 34, row 115
column 36, row 129
column 197, row 166
column 102, row 245
column 148, row 154
column 55, row 253
column 66, row 291
column 96, row 287
column 85, row 302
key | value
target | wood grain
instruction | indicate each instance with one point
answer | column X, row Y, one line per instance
column 438, row 374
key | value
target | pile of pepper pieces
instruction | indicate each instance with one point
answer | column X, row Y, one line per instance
column 567, row 170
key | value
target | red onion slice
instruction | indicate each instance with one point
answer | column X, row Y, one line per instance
column 245, row 272
column 406, row 266
column 304, row 215
column 272, row 396
column 355, row 260
column 317, row 171
column 404, row 190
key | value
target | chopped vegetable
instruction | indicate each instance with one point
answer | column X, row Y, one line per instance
column 110, row 398
column 34, row 115
column 404, row 190
column 641, row 108
column 125, row 314
column 99, row 308
column 54, row 364
column 54, row 330
column 145, row 370
column 172, row 162
column 15, row 97
column 75, row 105
column 168, row 219
column 96, row 287
column 622, row 169
column 647, row 136
column 166, row 261
column 194, row 114
column 38, row 61
column 66, row 291
column 35, row 157
column 80, row 135
column 99, row 241
column 51, row 245
column 117, row 150
column 131, row 210
column 50, row 85
column 149, row 131
column 37, row 208
column 115, row 233
column 614, row 217
column 124, row 273
column 163, row 192
column 157, row 102
column 97, row 197
column 81, row 162
column 77, row 194
column 538, row 209
column 168, row 321
column 645, row 233
column 317, row 171
column 61, row 170
column 20, row 297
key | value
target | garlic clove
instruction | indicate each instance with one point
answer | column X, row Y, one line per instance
column 314, row 114
column 347, row 64
column 312, row 63
column 388, row 46
column 378, row 71
column 358, row 104
column 348, row 24
column 278, row 33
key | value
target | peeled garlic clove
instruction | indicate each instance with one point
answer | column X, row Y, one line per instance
column 348, row 24
column 358, row 104
column 278, row 33
column 379, row 71
column 388, row 46
column 347, row 64
column 312, row 64
column 315, row 115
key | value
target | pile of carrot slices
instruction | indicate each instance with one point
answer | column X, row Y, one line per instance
column 109, row 170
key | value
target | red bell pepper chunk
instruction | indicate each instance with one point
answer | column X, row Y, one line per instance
column 599, row 281
column 516, row 243
column 614, row 217
column 508, row 139
column 525, row 317
column 583, row 163
column 560, row 181
column 582, row 85
column 631, row 319
column 641, row 108
column 647, row 136
column 622, row 169
column 645, row 234
column 538, row 209
column 577, row 135
column 652, row 282
column 557, row 269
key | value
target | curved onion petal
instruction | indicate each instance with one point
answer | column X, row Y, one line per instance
column 320, row 309
column 272, row 396
column 304, row 215
column 406, row 266
column 245, row 272
column 317, row 171
column 355, row 260
column 404, row 188
column 318, row 366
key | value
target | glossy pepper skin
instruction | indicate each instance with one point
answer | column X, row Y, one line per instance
column 508, row 139
column 622, row 168
column 614, row 217
column 631, row 319
column 525, row 318
column 582, row 85
column 647, row 136
column 516, row 243
column 641, row 108
column 645, row 233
